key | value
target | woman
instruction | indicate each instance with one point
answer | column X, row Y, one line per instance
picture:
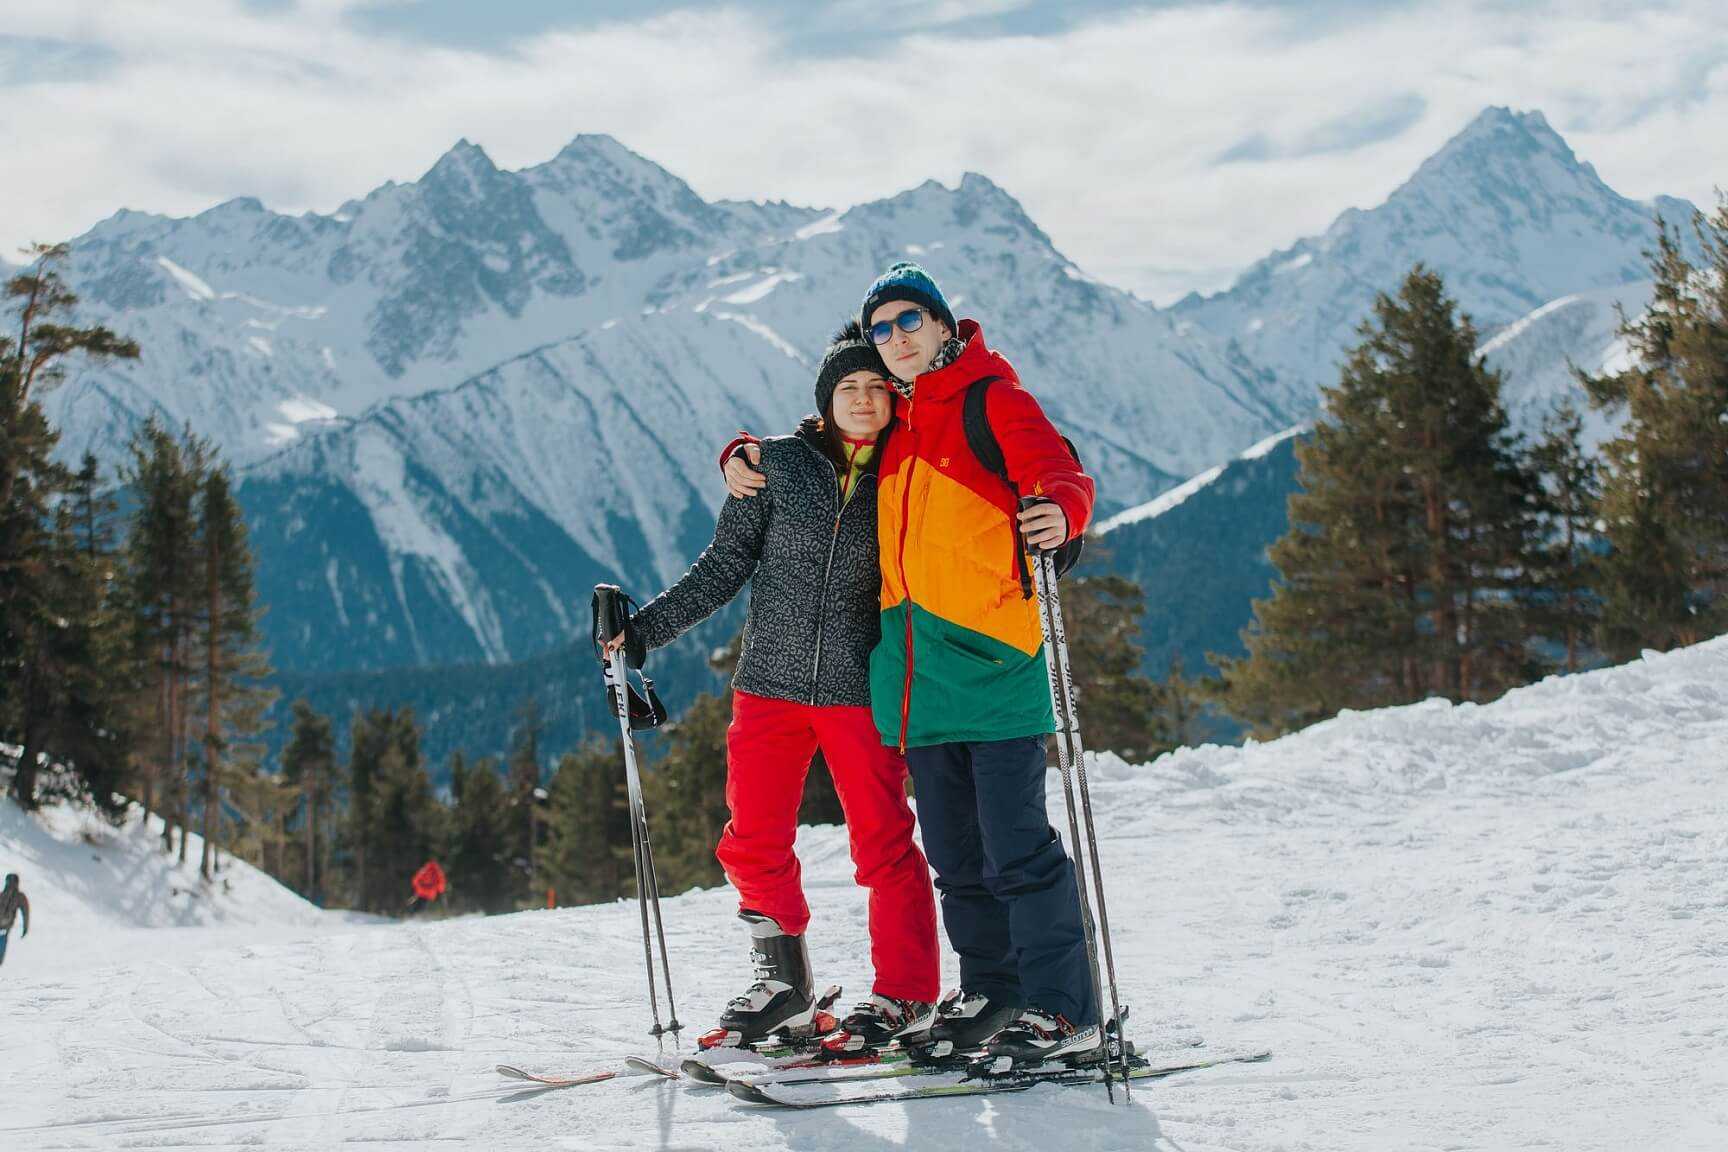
column 809, row 551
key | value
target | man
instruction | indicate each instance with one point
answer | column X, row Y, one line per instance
column 12, row 902
column 958, row 679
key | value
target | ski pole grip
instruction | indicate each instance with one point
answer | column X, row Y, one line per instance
column 1027, row 502
column 610, row 615
column 612, row 619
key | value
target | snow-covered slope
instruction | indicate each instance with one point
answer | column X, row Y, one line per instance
column 1199, row 554
column 1456, row 927
column 1169, row 501
column 1537, row 353
column 410, row 537
column 97, row 891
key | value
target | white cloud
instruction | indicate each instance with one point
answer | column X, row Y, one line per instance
column 1111, row 133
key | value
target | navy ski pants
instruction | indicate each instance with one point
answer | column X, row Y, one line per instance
column 1007, row 886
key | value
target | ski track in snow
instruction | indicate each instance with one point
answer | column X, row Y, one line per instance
column 1496, row 927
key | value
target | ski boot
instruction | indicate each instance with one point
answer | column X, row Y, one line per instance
column 875, row 1023
column 782, row 999
column 964, row 1021
column 1039, row 1037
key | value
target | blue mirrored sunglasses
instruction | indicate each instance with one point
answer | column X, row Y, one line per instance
column 909, row 321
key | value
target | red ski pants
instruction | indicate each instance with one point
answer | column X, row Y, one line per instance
column 768, row 750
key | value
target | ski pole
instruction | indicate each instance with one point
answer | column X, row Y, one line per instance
column 1071, row 759
column 610, row 618
column 653, row 883
column 1079, row 759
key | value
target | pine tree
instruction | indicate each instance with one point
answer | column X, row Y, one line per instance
column 370, row 736
column 1120, row 708
column 28, row 613
column 1664, row 501
column 34, row 704
column 525, row 794
column 394, row 822
column 1182, row 704
column 81, row 660
column 587, row 854
column 1411, row 539
column 1566, row 606
column 233, row 666
column 164, row 567
column 35, row 360
column 685, row 794
column 69, row 688
column 309, row 766
column 264, row 802
column 407, row 823
column 108, row 679
column 480, row 863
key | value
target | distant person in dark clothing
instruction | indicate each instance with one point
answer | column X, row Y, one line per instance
column 12, row 902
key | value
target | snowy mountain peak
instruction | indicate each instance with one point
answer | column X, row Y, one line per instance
column 238, row 206
column 1506, row 212
column 1501, row 146
column 980, row 194
column 601, row 147
column 1497, row 119
column 466, row 167
column 607, row 164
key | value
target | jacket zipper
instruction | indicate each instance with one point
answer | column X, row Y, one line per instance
column 905, row 513
column 840, row 503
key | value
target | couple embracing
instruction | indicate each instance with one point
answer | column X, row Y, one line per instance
column 891, row 625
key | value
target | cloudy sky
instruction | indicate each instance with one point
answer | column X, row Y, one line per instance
column 1161, row 145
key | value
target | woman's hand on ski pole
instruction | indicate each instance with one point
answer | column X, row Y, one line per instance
column 1042, row 525
column 744, row 477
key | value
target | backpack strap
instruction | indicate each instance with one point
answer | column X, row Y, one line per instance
column 981, row 438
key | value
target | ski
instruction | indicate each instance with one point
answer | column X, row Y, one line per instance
column 644, row 1064
column 846, row 1072
column 779, row 1095
column 799, row 1069
column 516, row 1073
column 887, row 1064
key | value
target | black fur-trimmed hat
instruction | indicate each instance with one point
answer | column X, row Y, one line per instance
column 850, row 352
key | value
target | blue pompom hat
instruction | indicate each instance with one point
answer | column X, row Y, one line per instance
column 906, row 281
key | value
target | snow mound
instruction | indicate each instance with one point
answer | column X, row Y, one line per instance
column 1623, row 722
column 92, row 884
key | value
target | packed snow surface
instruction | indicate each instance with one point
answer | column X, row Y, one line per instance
column 1470, row 927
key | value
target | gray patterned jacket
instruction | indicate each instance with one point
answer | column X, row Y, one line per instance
column 815, row 584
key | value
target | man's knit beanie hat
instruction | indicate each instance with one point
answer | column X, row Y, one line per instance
column 906, row 281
